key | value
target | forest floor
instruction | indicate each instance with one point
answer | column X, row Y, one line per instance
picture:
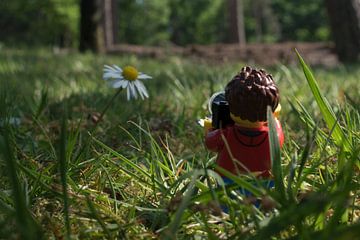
column 320, row 53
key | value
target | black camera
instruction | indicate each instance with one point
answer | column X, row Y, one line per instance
column 220, row 111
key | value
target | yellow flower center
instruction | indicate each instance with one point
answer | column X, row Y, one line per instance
column 130, row 73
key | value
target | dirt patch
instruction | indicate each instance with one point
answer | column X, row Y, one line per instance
column 264, row 54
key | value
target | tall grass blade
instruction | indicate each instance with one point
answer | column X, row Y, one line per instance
column 293, row 215
column 121, row 157
column 5, row 208
column 307, row 150
column 339, row 232
column 63, row 174
column 43, row 102
column 326, row 111
column 112, row 188
column 26, row 225
column 239, row 181
column 275, row 156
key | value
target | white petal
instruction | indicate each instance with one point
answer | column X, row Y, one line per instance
column 128, row 93
column 142, row 89
column 143, row 76
column 111, row 83
column 132, row 90
column 112, row 72
column 139, row 88
column 108, row 68
column 108, row 75
column 117, row 83
column 125, row 84
column 117, row 68
column 113, row 68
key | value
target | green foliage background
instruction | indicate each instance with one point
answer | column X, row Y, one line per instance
column 305, row 20
column 39, row 22
column 158, row 22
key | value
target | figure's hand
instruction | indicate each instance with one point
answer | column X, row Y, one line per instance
column 277, row 111
column 206, row 123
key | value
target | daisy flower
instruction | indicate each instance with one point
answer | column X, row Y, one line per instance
column 127, row 77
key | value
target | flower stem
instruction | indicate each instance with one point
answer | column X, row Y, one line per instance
column 105, row 109
column 86, row 146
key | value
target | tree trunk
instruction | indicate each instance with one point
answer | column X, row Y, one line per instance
column 236, row 22
column 344, row 19
column 91, row 26
column 110, row 22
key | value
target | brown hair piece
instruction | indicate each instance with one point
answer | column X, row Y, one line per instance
column 250, row 92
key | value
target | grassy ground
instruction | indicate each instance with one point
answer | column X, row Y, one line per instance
column 144, row 171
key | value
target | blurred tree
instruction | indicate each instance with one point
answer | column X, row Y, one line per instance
column 200, row 21
column 157, row 22
column 266, row 25
column 183, row 18
column 303, row 20
column 110, row 22
column 236, row 22
column 68, row 10
column 258, row 13
column 91, row 26
column 211, row 25
column 143, row 21
column 345, row 24
column 38, row 22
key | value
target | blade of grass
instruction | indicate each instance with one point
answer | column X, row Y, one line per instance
column 38, row 177
column 326, row 110
column 141, row 180
column 291, row 176
column 275, row 156
column 96, row 216
column 157, row 150
column 45, row 133
column 43, row 103
column 63, row 175
column 170, row 232
column 121, row 157
column 27, row 226
column 112, row 188
column 306, row 152
column 294, row 214
column 239, row 181
column 5, row 208
column 72, row 140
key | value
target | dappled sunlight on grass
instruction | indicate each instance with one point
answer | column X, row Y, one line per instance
column 144, row 172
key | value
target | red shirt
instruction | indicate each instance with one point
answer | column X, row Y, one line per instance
column 249, row 147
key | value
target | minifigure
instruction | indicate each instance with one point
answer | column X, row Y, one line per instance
column 239, row 131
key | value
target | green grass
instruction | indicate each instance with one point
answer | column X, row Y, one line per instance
column 144, row 172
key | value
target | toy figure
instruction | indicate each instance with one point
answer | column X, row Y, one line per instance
column 239, row 132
